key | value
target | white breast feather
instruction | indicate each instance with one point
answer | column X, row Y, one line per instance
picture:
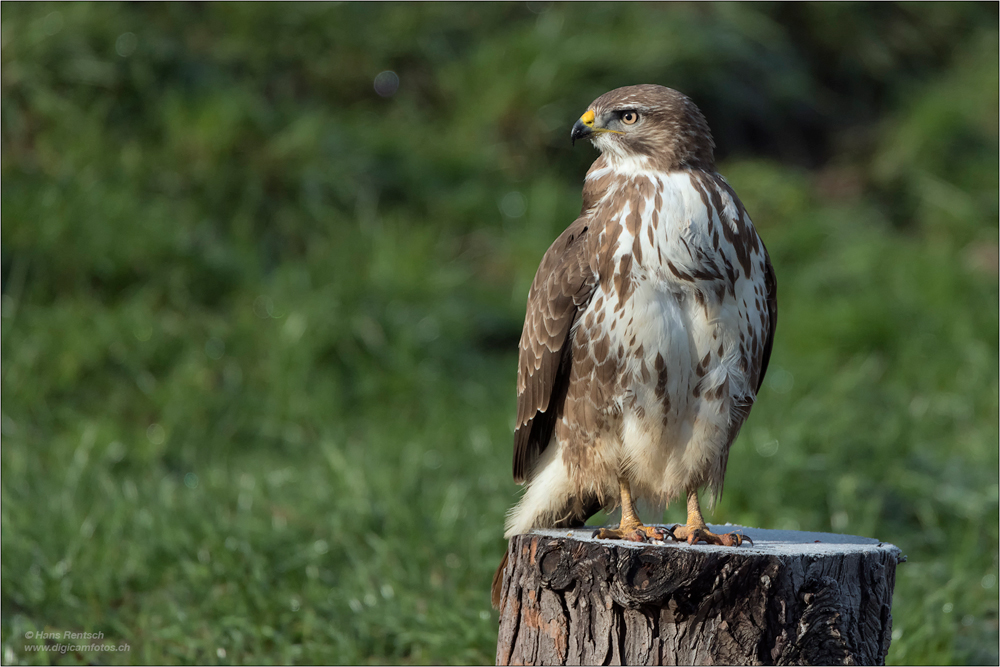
column 663, row 460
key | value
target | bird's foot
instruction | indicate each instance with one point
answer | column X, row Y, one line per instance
column 693, row 534
column 636, row 532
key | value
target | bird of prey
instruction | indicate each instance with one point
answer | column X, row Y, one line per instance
column 648, row 329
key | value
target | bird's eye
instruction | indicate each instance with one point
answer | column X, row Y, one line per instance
column 629, row 117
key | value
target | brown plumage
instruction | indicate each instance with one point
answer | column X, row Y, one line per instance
column 648, row 329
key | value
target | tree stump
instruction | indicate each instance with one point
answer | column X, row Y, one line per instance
column 791, row 598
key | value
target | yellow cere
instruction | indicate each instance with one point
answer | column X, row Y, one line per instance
column 588, row 118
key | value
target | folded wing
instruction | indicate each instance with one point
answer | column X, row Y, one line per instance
column 562, row 287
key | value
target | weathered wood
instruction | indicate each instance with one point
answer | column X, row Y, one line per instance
column 791, row 598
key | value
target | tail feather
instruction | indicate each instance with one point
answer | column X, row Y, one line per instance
column 573, row 518
column 497, row 588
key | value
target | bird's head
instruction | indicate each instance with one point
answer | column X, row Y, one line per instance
column 652, row 124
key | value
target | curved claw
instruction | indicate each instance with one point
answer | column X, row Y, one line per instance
column 648, row 534
column 636, row 535
column 659, row 533
column 734, row 539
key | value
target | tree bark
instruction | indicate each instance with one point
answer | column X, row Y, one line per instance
column 791, row 598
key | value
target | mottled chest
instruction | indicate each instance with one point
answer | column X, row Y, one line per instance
column 681, row 281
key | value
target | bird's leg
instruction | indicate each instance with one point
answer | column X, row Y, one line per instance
column 629, row 528
column 697, row 531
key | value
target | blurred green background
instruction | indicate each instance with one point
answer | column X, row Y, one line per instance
column 260, row 322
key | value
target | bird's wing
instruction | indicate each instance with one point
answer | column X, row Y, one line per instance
column 744, row 248
column 771, row 300
column 562, row 287
column 745, row 243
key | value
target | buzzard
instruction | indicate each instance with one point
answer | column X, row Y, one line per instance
column 648, row 329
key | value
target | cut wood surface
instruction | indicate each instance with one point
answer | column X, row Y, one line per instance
column 791, row 598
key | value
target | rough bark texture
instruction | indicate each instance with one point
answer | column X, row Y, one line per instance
column 792, row 598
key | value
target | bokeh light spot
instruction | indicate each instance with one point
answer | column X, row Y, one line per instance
column 780, row 380
column 513, row 204
column 53, row 23
column 143, row 331
column 767, row 448
column 125, row 44
column 263, row 307
column 156, row 434
column 386, row 83
column 215, row 348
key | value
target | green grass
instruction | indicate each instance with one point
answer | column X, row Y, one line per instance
column 260, row 325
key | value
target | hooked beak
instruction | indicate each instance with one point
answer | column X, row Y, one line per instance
column 582, row 128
